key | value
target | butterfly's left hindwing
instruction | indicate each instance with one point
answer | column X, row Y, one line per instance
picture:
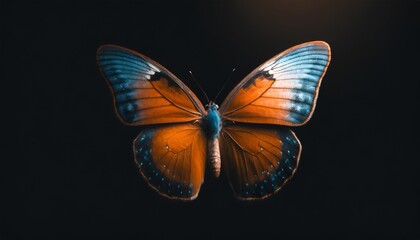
column 258, row 160
column 172, row 159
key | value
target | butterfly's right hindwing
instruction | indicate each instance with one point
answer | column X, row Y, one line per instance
column 258, row 160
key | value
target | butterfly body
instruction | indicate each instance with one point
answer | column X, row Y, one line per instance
column 212, row 126
column 247, row 137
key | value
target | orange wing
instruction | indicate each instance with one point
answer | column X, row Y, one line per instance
column 281, row 91
column 258, row 160
column 145, row 92
column 172, row 159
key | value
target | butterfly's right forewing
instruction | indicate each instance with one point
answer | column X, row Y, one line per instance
column 283, row 90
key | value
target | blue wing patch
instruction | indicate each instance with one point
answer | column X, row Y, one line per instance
column 129, row 77
column 297, row 76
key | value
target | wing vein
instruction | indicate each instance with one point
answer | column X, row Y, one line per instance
column 286, row 109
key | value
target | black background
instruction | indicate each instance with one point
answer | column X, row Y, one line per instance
column 67, row 170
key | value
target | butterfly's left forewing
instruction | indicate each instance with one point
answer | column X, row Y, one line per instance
column 144, row 91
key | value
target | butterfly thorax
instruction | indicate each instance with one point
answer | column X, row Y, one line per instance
column 212, row 121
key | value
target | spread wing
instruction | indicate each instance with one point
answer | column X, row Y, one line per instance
column 258, row 160
column 145, row 92
column 281, row 91
column 172, row 159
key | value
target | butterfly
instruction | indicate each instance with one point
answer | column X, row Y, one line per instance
column 248, row 136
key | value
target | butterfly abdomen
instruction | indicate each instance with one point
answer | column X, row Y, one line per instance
column 213, row 152
column 212, row 127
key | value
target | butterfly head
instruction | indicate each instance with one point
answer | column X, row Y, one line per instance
column 211, row 106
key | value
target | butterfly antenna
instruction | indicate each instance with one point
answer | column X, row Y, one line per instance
column 224, row 85
column 198, row 84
